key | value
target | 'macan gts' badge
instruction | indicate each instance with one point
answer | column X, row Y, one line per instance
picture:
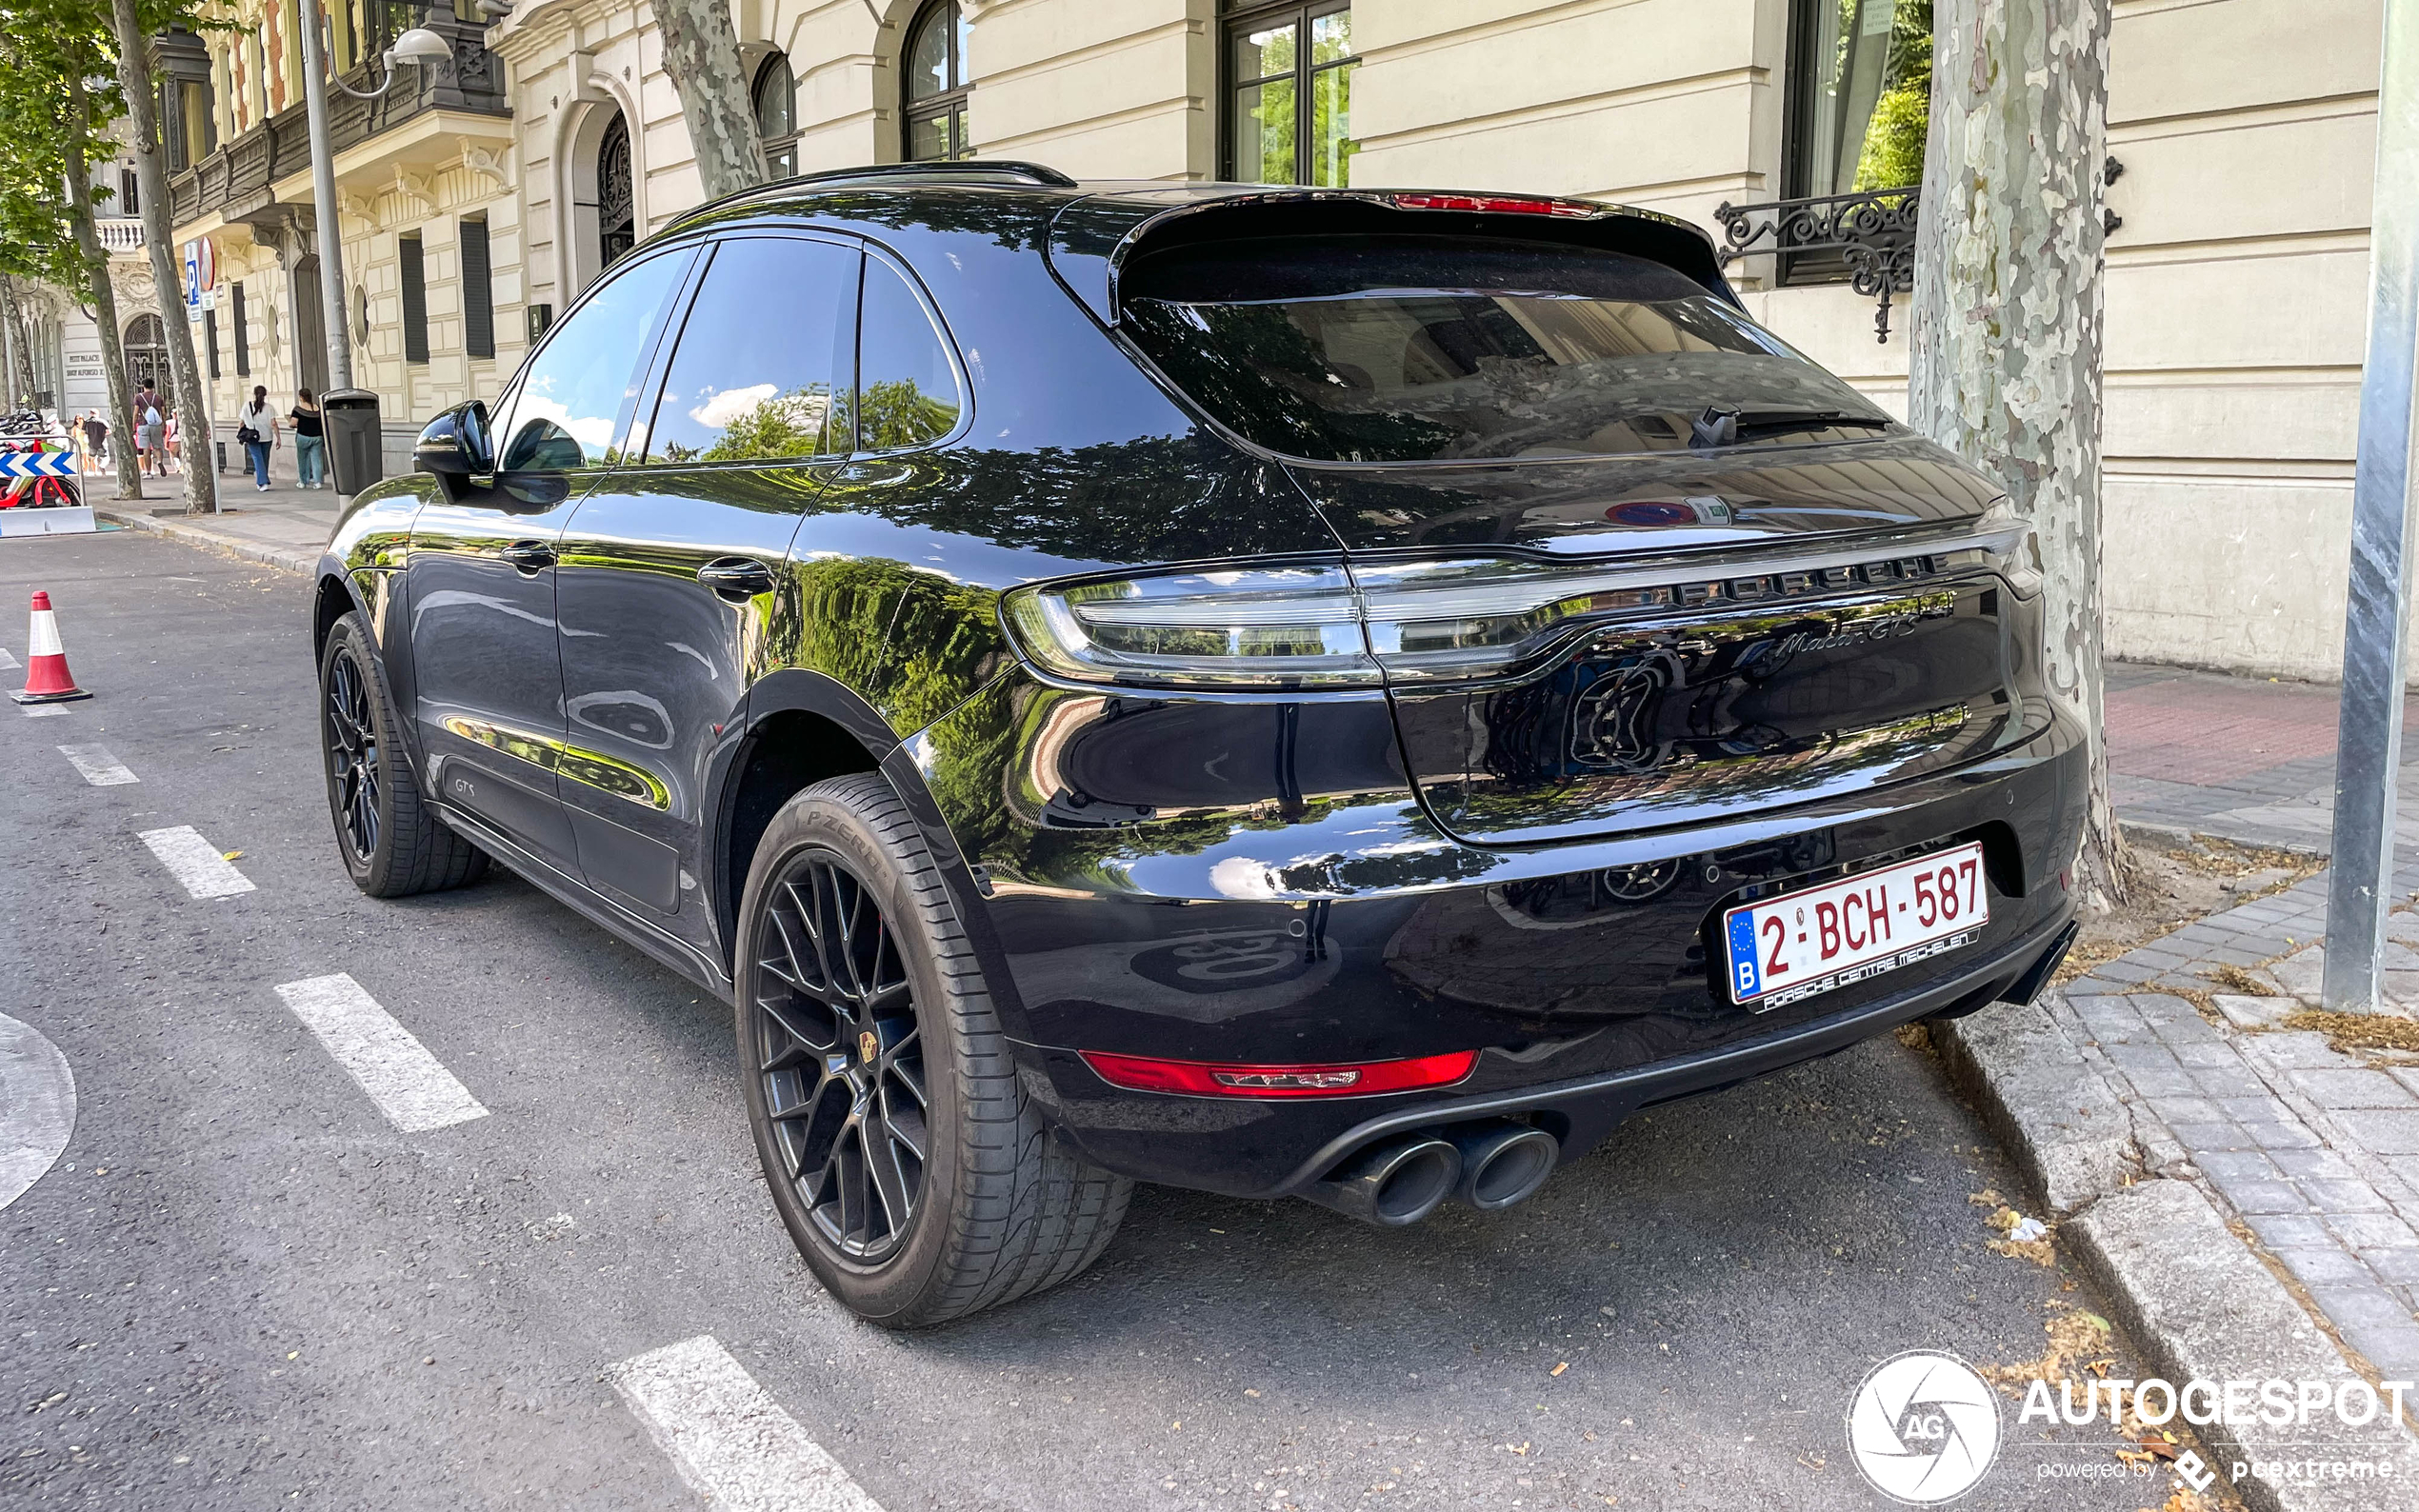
column 868, row 1045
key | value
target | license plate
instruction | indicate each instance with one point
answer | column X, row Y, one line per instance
column 1790, row 947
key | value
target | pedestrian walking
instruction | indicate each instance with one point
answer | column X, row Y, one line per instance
column 151, row 435
column 310, row 446
column 256, row 427
column 96, row 441
column 171, row 438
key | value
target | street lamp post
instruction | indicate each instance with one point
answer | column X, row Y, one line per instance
column 415, row 47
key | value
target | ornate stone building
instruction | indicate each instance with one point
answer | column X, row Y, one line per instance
column 478, row 201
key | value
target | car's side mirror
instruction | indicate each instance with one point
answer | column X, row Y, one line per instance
column 455, row 445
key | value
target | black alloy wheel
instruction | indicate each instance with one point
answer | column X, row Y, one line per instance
column 391, row 841
column 352, row 754
column 906, row 1154
column 841, row 1057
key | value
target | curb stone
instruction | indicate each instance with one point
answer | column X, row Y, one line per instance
column 2199, row 1305
column 2067, row 1127
column 175, row 530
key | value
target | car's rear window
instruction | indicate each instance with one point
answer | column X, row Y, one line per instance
column 1407, row 349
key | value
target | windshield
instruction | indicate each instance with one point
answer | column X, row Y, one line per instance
column 1401, row 349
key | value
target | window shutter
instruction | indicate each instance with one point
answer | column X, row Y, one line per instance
column 478, row 291
column 415, row 301
column 210, row 335
column 243, row 340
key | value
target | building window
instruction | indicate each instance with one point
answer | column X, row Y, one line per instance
column 1288, row 100
column 130, row 194
column 1860, row 95
column 243, row 338
column 935, row 91
column 416, row 299
column 776, row 101
column 478, row 291
column 209, row 338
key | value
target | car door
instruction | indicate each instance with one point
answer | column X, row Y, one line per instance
column 479, row 574
column 672, row 568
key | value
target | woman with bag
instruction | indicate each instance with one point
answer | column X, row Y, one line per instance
column 256, row 427
column 311, row 447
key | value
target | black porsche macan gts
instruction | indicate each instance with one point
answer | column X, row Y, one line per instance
column 1341, row 694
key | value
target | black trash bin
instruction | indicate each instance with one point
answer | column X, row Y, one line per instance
column 356, row 444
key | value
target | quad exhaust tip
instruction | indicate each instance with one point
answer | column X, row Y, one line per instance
column 1398, row 1181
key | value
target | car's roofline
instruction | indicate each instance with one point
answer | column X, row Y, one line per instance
column 1049, row 189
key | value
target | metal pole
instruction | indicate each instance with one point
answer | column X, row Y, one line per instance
column 2377, row 621
column 323, row 190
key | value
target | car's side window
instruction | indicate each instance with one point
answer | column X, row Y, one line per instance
column 907, row 392
column 761, row 355
column 567, row 407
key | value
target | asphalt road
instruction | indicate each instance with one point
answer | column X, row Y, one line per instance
column 241, row 1286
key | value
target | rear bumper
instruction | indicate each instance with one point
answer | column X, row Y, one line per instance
column 1359, row 931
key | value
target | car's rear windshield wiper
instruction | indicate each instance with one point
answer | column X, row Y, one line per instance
column 1718, row 426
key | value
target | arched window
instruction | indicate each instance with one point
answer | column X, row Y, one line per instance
column 616, row 205
column 776, row 94
column 935, row 84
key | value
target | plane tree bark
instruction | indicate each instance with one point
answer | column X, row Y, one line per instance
column 701, row 56
column 2004, row 361
column 151, row 175
column 80, row 130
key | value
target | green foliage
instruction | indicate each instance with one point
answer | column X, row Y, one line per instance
column 45, row 47
column 897, row 414
column 1893, row 154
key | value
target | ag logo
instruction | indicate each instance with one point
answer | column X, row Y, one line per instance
column 1923, row 1427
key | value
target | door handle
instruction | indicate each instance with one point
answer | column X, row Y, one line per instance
column 529, row 556
column 737, row 575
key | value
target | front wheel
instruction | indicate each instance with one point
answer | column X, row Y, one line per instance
column 391, row 844
column 908, row 1166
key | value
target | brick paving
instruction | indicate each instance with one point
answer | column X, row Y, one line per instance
column 2315, row 1152
column 2247, row 758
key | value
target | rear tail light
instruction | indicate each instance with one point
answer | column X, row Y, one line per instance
column 1212, row 1079
column 1275, row 627
column 1495, row 204
column 1422, row 621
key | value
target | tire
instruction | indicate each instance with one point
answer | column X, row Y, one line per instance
column 391, row 844
column 841, row 1026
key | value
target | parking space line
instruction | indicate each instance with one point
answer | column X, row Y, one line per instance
column 410, row 1087
column 43, row 710
column 195, row 862
column 731, row 1440
column 99, row 768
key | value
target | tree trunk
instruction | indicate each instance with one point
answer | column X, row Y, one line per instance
column 97, row 260
column 701, row 54
column 2005, row 357
column 20, row 348
column 151, row 178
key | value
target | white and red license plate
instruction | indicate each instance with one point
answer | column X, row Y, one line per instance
column 1799, row 943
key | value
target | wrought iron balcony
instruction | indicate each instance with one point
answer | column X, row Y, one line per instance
column 233, row 182
column 1871, row 234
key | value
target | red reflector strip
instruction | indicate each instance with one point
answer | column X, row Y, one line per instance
column 1499, row 203
column 1210, row 1079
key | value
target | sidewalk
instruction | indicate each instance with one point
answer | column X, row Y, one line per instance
column 285, row 527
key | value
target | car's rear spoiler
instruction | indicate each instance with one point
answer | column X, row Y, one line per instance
column 1091, row 238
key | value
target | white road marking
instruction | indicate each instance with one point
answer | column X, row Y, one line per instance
column 409, row 1085
column 38, row 1106
column 43, row 710
column 731, row 1440
column 7, row 659
column 99, row 768
column 195, row 862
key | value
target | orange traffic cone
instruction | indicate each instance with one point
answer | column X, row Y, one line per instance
column 46, row 679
